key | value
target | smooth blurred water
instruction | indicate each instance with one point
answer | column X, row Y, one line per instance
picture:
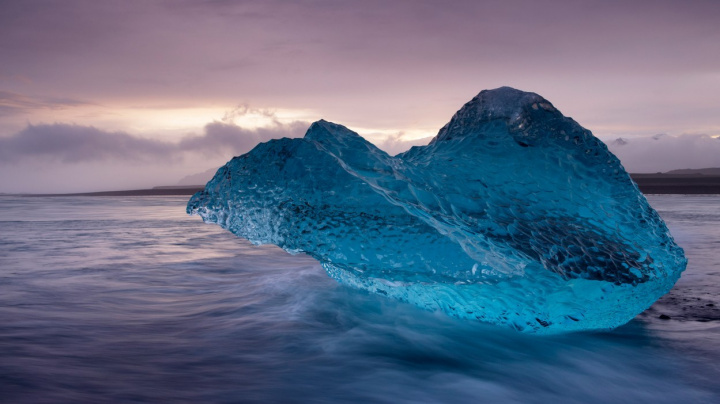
column 130, row 300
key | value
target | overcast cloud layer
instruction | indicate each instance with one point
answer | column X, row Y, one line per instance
column 80, row 144
column 662, row 153
column 44, row 154
column 87, row 83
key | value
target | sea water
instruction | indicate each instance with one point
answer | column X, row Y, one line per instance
column 130, row 300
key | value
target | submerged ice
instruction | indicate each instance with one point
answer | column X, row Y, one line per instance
column 513, row 214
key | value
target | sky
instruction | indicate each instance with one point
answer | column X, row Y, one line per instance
column 103, row 95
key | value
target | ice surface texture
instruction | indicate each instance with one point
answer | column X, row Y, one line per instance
column 513, row 214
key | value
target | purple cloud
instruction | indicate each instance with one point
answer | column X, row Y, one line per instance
column 661, row 153
column 75, row 144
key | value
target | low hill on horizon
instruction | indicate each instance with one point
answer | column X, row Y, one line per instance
column 198, row 179
column 715, row 171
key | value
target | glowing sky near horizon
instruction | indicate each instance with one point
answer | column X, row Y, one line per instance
column 395, row 71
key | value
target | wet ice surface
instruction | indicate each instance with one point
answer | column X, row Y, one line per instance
column 128, row 299
column 513, row 214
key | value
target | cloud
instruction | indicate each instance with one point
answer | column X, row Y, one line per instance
column 13, row 103
column 395, row 144
column 661, row 153
column 375, row 63
column 75, row 143
column 245, row 110
column 224, row 136
column 71, row 144
column 66, row 143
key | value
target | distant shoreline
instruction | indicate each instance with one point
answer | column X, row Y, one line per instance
column 677, row 183
column 648, row 184
column 157, row 191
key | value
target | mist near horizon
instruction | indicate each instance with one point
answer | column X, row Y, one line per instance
column 74, row 158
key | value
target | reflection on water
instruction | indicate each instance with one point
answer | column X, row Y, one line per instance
column 129, row 300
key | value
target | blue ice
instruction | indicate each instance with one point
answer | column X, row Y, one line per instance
column 513, row 214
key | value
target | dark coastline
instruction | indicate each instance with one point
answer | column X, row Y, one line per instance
column 677, row 183
column 648, row 184
column 157, row 191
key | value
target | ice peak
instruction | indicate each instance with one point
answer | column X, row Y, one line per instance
column 519, row 109
column 333, row 137
column 323, row 129
column 505, row 102
column 322, row 124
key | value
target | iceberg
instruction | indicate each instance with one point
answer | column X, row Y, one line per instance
column 513, row 214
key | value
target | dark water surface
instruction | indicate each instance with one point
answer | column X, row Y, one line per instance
column 129, row 300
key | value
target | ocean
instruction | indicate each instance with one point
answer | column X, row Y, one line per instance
column 129, row 300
